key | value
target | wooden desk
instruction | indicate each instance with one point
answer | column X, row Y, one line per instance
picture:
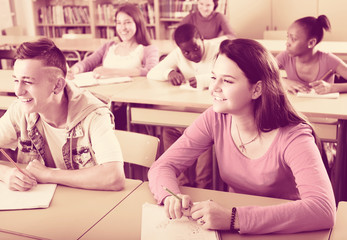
column 10, row 236
column 339, row 231
column 164, row 96
column 71, row 213
column 124, row 221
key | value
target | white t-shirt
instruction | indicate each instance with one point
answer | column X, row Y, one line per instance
column 99, row 132
column 131, row 61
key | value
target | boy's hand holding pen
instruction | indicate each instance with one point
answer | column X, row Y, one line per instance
column 26, row 181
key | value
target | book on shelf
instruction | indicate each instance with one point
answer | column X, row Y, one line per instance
column 176, row 8
column 60, row 15
column 222, row 6
column 106, row 13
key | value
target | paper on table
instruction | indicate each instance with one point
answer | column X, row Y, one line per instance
column 86, row 79
column 37, row 197
column 155, row 225
column 313, row 94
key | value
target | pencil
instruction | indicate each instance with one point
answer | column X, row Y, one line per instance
column 13, row 162
column 169, row 191
column 327, row 74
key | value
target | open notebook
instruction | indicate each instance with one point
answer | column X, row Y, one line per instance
column 86, row 79
column 155, row 225
column 313, row 94
column 37, row 197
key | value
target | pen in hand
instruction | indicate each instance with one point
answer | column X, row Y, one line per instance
column 13, row 162
column 327, row 74
column 176, row 196
column 169, row 191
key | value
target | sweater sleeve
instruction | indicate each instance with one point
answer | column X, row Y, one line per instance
column 315, row 210
column 181, row 155
column 94, row 60
column 150, row 59
column 161, row 71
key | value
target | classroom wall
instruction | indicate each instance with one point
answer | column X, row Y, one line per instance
column 25, row 16
column 249, row 18
column 5, row 14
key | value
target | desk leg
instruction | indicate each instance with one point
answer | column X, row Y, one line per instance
column 128, row 112
column 340, row 178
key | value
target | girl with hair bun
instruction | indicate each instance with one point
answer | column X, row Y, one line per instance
column 308, row 68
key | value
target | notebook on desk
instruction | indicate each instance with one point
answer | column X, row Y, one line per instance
column 313, row 94
column 86, row 79
column 37, row 197
column 156, row 225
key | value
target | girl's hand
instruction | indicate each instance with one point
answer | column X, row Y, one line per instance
column 211, row 215
column 71, row 73
column 294, row 86
column 321, row 87
column 98, row 72
column 175, row 208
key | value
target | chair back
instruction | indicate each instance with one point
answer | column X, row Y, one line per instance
column 138, row 148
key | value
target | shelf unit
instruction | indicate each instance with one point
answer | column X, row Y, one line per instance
column 53, row 18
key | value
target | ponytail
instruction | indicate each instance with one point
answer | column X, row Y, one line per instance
column 315, row 27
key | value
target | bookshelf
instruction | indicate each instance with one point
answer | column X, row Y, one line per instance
column 53, row 18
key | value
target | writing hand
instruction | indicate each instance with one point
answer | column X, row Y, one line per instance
column 174, row 208
column 70, row 75
column 321, row 87
column 293, row 86
column 17, row 181
column 176, row 78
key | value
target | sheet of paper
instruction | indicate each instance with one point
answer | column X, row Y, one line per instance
column 37, row 197
column 155, row 225
column 86, row 79
column 313, row 94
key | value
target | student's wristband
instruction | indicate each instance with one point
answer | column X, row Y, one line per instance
column 232, row 221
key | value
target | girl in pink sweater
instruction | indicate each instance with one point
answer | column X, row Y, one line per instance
column 263, row 147
column 132, row 56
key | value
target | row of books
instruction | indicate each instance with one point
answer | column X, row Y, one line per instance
column 60, row 15
column 222, row 6
column 109, row 32
column 106, row 13
column 58, row 32
column 176, row 8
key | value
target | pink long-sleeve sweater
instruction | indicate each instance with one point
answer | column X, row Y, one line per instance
column 150, row 58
